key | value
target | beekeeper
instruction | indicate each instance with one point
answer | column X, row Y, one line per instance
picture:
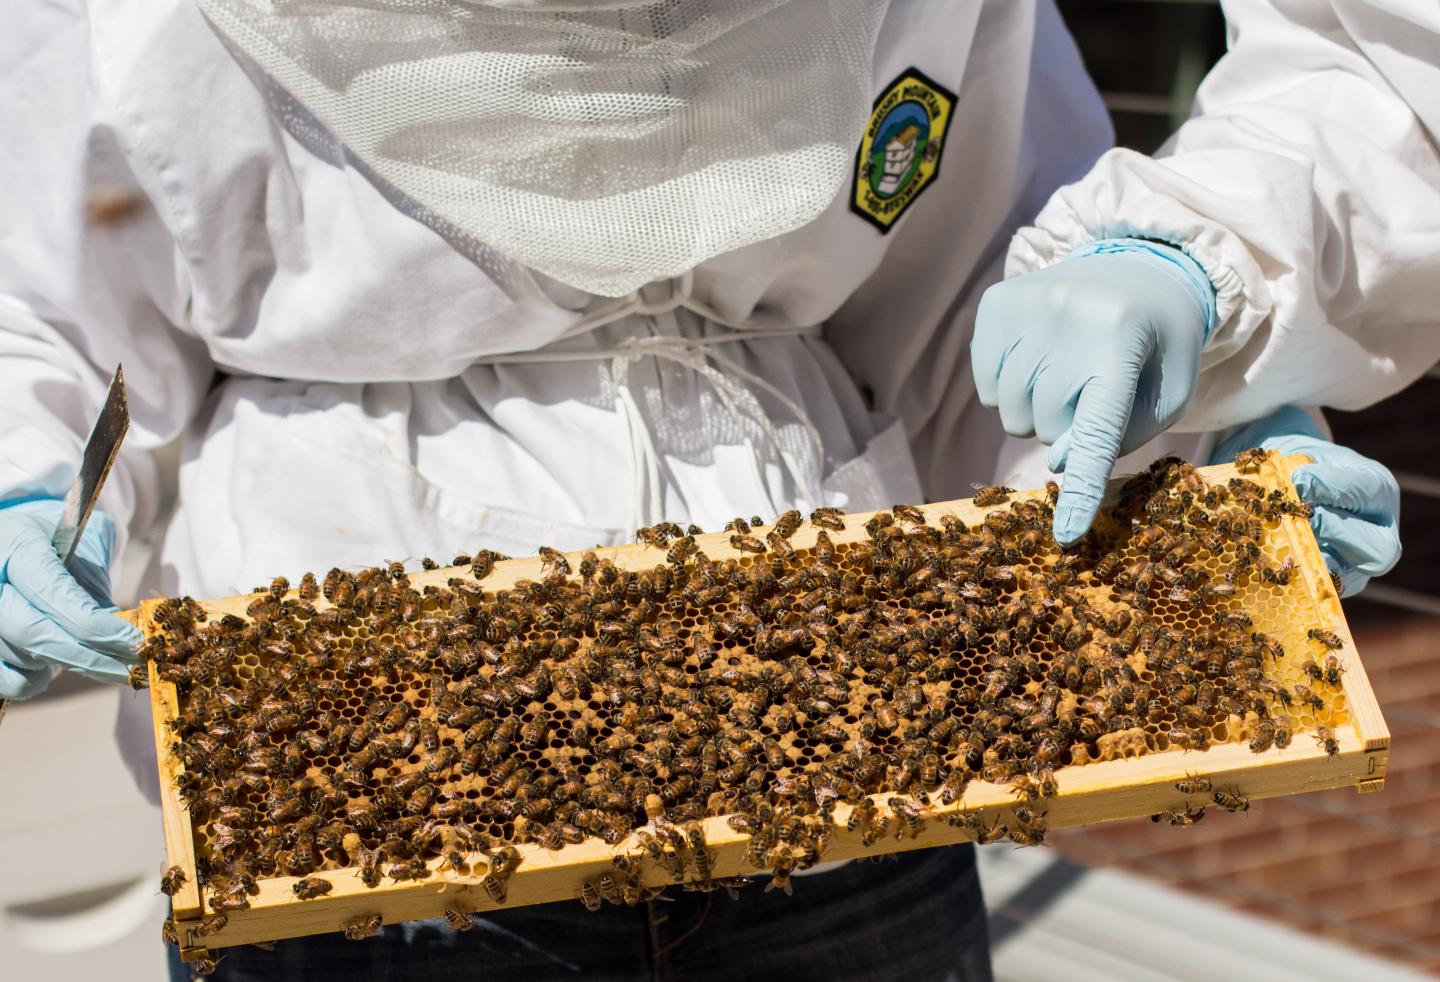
column 411, row 277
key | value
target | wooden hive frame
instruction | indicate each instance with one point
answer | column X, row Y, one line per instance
column 1098, row 791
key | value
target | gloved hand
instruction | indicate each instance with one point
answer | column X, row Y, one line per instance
column 1094, row 355
column 49, row 619
column 1356, row 499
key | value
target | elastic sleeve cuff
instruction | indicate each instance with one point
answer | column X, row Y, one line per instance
column 25, row 499
column 1130, row 195
column 1170, row 257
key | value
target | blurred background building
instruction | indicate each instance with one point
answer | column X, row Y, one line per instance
column 1324, row 886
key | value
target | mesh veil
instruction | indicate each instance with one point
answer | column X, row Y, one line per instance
column 606, row 144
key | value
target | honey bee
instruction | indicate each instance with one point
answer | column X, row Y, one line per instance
column 988, row 496
column 172, row 880
column 1263, row 736
column 360, row 928
column 1029, row 817
column 1232, row 618
column 824, row 549
column 311, row 887
column 1328, row 638
column 874, row 830
column 1180, row 819
column 746, row 543
column 213, row 924
column 1325, row 738
column 1028, row 832
column 786, row 525
column 590, row 896
column 1333, row 670
column 683, row 549
column 226, row 902
column 368, row 867
column 168, row 933
column 396, row 717
column 700, row 858
column 609, row 888
column 885, row 717
column 832, row 519
column 780, row 546
column 861, row 815
column 1250, row 460
column 494, row 887
column 458, row 918
column 782, row 865
column 1299, row 509
column 1232, row 801
column 504, row 862
column 554, row 560
column 303, row 855
column 1193, row 784
column 206, row 964
column 986, row 834
column 1187, row 738
column 953, row 788
column 410, row 869
column 908, row 814
column 1280, row 575
column 652, row 535
column 138, row 676
column 1022, row 784
column 441, row 760
column 908, row 513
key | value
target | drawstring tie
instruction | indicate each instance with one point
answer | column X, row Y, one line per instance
column 698, row 355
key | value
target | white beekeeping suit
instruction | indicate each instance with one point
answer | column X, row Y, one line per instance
column 327, row 300
column 1306, row 183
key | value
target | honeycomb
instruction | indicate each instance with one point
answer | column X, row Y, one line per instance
column 383, row 724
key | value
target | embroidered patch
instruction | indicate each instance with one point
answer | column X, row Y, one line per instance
column 900, row 153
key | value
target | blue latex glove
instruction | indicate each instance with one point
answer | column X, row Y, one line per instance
column 1356, row 499
column 1094, row 355
column 50, row 619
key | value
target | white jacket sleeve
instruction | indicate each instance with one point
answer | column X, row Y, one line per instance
column 1307, row 184
column 77, row 295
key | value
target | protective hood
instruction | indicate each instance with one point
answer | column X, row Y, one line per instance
column 603, row 144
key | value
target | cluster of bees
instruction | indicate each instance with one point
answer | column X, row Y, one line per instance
column 384, row 727
column 682, row 852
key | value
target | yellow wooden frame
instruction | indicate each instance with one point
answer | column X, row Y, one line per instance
column 1094, row 792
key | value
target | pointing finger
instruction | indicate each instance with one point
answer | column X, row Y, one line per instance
column 1101, row 416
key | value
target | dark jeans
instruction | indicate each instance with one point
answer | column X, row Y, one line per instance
column 917, row 919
